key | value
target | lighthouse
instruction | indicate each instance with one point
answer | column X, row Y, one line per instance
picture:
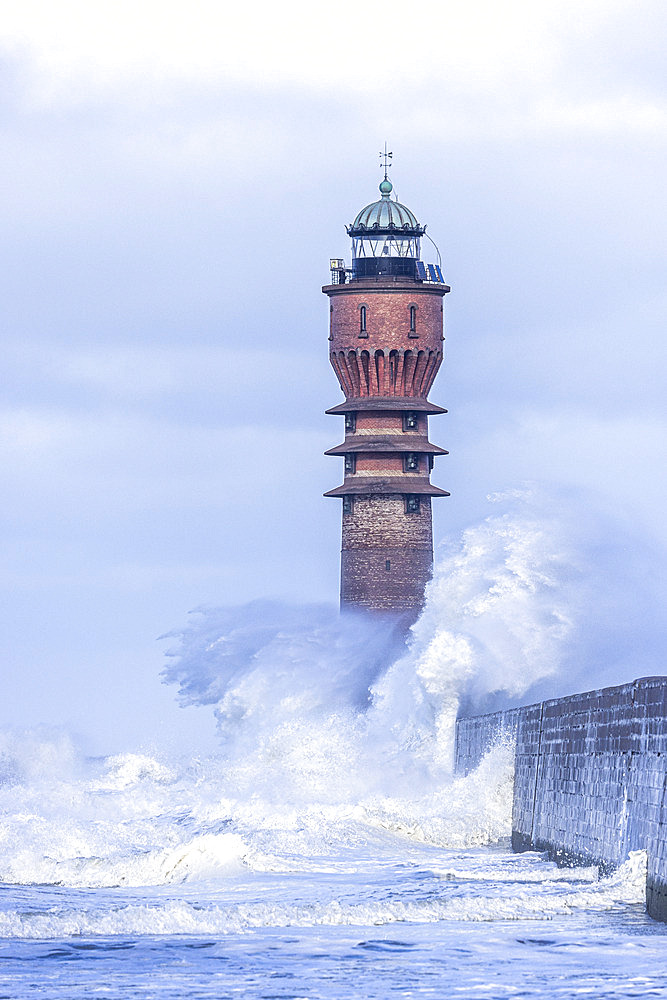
column 386, row 346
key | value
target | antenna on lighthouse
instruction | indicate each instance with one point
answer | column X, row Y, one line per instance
column 386, row 157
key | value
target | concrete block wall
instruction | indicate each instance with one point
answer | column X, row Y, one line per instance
column 650, row 775
column 590, row 776
column 477, row 735
column 526, row 760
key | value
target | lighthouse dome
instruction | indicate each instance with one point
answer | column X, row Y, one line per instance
column 385, row 215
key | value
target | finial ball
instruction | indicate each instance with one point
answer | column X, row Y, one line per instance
column 386, row 187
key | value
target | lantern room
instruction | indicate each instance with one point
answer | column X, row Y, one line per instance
column 385, row 239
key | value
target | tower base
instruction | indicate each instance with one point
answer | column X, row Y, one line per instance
column 387, row 554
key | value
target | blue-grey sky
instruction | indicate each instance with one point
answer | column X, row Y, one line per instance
column 175, row 178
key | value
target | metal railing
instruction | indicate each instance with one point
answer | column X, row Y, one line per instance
column 341, row 274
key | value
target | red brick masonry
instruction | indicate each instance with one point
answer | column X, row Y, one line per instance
column 386, row 346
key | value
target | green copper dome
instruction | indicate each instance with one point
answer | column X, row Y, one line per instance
column 385, row 216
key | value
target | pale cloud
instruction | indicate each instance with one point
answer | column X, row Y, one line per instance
column 292, row 42
column 377, row 48
column 126, row 462
column 625, row 115
column 617, row 465
column 144, row 371
column 176, row 178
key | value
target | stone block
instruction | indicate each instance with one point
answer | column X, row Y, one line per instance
column 591, row 779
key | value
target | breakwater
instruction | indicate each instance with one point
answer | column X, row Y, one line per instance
column 590, row 780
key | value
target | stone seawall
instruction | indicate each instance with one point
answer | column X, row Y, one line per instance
column 477, row 735
column 590, row 779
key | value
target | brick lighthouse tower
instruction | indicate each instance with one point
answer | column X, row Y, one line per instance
column 386, row 346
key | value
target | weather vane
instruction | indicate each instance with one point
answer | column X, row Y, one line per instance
column 386, row 157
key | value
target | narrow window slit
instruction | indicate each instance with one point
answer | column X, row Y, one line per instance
column 363, row 332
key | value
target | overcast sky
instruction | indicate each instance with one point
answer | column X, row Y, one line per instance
column 175, row 178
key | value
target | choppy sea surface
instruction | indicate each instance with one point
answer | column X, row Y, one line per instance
column 329, row 850
column 128, row 878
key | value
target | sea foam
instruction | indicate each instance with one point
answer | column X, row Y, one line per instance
column 333, row 730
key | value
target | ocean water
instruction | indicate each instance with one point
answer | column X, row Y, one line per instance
column 328, row 850
column 131, row 877
column 128, row 876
